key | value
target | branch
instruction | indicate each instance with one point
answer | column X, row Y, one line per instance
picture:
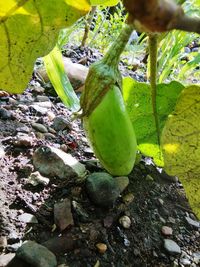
column 160, row 16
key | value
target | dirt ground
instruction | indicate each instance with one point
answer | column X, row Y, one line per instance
column 152, row 200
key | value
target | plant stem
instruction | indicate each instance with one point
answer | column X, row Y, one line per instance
column 113, row 54
column 88, row 22
column 153, row 50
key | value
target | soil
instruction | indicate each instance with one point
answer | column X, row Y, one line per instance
column 151, row 200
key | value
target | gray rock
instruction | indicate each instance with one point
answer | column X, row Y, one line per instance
column 196, row 257
column 3, row 242
column 2, row 152
column 5, row 114
column 51, row 162
column 37, row 255
column 187, row 50
column 5, row 259
column 27, row 218
column 195, row 49
column 39, row 110
column 171, row 246
column 39, row 127
column 102, row 188
column 42, row 98
column 62, row 214
column 36, row 178
column 192, row 222
column 60, row 123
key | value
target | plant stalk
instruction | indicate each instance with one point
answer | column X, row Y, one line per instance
column 153, row 51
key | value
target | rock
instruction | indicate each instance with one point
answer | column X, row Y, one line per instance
column 195, row 49
column 171, row 246
column 14, row 247
column 61, row 244
column 101, row 247
column 5, row 259
column 2, row 152
column 196, row 257
column 39, row 127
column 63, row 215
column 122, row 182
column 185, row 261
column 39, row 110
column 125, row 221
column 108, row 221
column 128, row 198
column 27, row 218
column 192, row 222
column 102, row 188
column 187, row 50
column 166, row 230
column 36, row 178
column 81, row 213
column 23, row 140
column 5, row 114
column 23, row 129
column 51, row 115
column 37, row 255
column 51, row 162
column 44, row 104
column 38, row 89
column 42, row 98
column 3, row 242
column 60, row 123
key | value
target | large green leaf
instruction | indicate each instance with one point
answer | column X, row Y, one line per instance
column 181, row 144
column 55, row 69
column 29, row 29
column 104, row 2
column 137, row 97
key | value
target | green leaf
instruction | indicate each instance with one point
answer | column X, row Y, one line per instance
column 55, row 69
column 104, row 2
column 137, row 97
column 28, row 30
column 181, row 144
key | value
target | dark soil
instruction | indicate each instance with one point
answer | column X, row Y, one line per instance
column 158, row 200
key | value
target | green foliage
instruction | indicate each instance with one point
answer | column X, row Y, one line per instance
column 138, row 101
column 55, row 70
column 28, row 30
column 104, row 2
column 180, row 144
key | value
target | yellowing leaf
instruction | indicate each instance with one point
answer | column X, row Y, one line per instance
column 29, row 29
column 104, row 2
column 181, row 144
column 137, row 97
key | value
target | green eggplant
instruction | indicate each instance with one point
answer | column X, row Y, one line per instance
column 111, row 134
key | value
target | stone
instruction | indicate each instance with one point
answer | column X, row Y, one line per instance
column 101, row 247
column 128, row 198
column 5, row 114
column 42, row 98
column 125, row 221
column 37, row 255
column 36, row 178
column 3, row 242
column 51, row 162
column 23, row 140
column 27, row 218
column 166, row 230
column 2, row 152
column 63, row 215
column 39, row 110
column 5, row 259
column 39, row 127
column 60, row 123
column 102, row 188
column 171, row 246
column 193, row 223
column 122, row 182
column 196, row 257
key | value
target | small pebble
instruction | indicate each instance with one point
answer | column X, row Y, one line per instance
column 125, row 221
column 101, row 248
column 166, row 230
column 3, row 242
